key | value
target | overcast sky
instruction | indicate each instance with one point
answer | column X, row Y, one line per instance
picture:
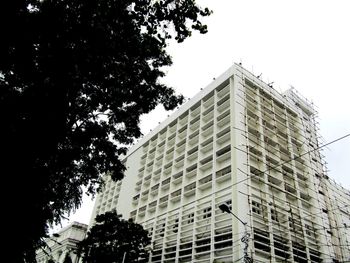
column 304, row 44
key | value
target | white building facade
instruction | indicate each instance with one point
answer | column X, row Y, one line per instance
column 63, row 247
column 338, row 210
column 240, row 143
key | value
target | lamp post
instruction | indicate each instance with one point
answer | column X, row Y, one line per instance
column 245, row 239
column 124, row 257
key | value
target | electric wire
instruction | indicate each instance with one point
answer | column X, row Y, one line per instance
column 280, row 164
column 294, row 158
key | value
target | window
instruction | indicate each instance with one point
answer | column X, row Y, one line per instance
column 256, row 207
column 206, row 212
column 176, row 225
column 274, row 216
column 161, row 230
column 190, row 218
column 309, row 230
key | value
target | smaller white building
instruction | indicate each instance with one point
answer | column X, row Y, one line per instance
column 63, row 245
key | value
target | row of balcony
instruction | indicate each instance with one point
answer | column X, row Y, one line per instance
column 206, row 163
column 190, row 190
column 192, row 116
column 223, row 136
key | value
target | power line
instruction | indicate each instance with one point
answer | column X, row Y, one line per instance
column 288, row 161
column 292, row 159
column 309, row 214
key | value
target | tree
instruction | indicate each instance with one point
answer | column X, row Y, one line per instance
column 75, row 77
column 111, row 239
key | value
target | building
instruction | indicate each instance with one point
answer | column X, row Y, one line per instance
column 62, row 248
column 240, row 143
column 338, row 210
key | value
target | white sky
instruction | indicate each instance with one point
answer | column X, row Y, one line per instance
column 301, row 43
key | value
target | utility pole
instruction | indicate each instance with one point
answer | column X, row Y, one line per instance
column 124, row 257
column 245, row 239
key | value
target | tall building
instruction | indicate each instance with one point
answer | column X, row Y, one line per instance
column 338, row 211
column 62, row 248
column 242, row 144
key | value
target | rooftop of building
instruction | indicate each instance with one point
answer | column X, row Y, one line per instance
column 290, row 97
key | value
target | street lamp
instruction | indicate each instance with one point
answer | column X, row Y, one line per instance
column 124, row 257
column 245, row 239
column 226, row 209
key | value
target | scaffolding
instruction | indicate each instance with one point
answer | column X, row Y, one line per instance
column 243, row 144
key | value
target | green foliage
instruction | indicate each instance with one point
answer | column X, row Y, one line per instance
column 112, row 238
column 75, row 77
